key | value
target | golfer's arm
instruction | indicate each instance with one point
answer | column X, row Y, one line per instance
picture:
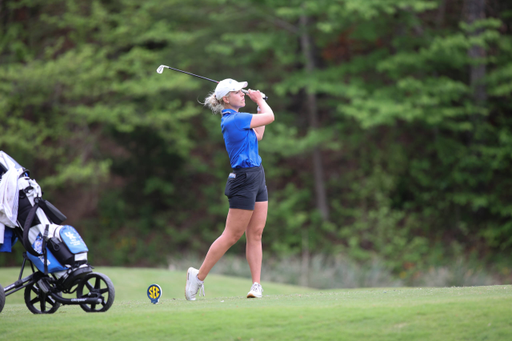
column 259, row 132
column 265, row 116
column 260, row 120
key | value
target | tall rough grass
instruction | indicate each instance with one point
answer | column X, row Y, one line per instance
column 459, row 273
column 340, row 272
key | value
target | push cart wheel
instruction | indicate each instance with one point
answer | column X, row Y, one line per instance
column 2, row 298
column 39, row 302
column 96, row 285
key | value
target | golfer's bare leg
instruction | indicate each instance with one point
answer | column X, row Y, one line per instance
column 253, row 234
column 236, row 224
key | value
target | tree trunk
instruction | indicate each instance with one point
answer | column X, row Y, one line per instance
column 441, row 13
column 475, row 10
column 304, row 273
column 318, row 173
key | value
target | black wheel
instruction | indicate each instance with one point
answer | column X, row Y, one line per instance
column 96, row 285
column 38, row 302
column 2, row 298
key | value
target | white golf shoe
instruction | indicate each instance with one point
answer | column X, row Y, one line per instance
column 193, row 285
column 256, row 291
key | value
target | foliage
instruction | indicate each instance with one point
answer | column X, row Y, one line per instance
column 415, row 161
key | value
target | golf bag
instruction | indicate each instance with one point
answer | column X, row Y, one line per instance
column 40, row 220
column 57, row 251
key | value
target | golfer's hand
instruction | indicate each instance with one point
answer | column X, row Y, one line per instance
column 255, row 95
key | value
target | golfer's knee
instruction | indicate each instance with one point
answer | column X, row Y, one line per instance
column 231, row 238
column 255, row 234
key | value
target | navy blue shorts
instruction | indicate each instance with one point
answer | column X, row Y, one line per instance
column 245, row 187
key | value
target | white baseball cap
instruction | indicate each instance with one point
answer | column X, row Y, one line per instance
column 227, row 85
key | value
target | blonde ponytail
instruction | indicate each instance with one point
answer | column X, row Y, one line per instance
column 214, row 104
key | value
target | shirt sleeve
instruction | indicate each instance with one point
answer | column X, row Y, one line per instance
column 243, row 120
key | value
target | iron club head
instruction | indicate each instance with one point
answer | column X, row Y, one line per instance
column 161, row 69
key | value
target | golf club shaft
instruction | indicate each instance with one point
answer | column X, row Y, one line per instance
column 188, row 73
column 161, row 69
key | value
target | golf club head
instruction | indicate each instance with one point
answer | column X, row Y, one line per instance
column 160, row 69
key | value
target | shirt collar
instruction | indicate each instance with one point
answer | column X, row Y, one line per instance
column 229, row 111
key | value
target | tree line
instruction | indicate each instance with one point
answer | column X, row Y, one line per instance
column 393, row 132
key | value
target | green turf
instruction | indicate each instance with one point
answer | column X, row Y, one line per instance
column 284, row 313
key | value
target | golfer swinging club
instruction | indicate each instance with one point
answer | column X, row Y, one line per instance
column 245, row 188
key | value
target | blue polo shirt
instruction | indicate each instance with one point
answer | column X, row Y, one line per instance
column 240, row 140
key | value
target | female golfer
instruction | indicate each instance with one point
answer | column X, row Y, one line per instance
column 245, row 188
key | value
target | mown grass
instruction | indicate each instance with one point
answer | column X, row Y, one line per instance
column 285, row 312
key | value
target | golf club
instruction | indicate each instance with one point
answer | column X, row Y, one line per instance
column 161, row 69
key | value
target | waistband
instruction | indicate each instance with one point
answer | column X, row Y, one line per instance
column 248, row 170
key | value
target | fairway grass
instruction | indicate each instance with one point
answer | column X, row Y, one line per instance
column 284, row 313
